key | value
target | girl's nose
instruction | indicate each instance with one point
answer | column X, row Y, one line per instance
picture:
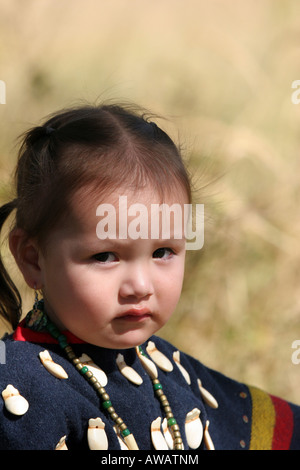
column 136, row 283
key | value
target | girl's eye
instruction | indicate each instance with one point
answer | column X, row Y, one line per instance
column 163, row 253
column 105, row 257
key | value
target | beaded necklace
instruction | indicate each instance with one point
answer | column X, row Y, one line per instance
column 38, row 320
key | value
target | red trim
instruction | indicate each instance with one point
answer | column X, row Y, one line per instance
column 25, row 334
column 283, row 430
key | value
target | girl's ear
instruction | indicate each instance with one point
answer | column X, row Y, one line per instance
column 26, row 254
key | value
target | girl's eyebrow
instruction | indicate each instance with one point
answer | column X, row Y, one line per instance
column 113, row 244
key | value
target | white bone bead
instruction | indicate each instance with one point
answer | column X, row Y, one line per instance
column 207, row 439
column 128, row 371
column 131, row 442
column 14, row 402
column 157, row 436
column 62, row 444
column 193, row 428
column 207, row 396
column 148, row 365
column 96, row 370
column 158, row 357
column 167, row 434
column 123, row 446
column 51, row 366
column 186, row 375
column 97, row 438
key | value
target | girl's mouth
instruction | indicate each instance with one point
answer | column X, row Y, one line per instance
column 135, row 314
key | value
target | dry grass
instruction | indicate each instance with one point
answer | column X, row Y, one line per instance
column 222, row 71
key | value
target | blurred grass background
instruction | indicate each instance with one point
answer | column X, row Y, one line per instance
column 221, row 72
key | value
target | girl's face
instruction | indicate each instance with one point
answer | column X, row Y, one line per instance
column 113, row 292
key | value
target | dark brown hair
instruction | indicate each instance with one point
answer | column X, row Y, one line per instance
column 104, row 147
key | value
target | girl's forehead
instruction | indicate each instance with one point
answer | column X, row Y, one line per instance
column 90, row 210
column 87, row 200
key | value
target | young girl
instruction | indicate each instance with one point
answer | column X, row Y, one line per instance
column 83, row 369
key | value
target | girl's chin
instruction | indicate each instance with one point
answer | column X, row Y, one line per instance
column 124, row 342
column 123, row 335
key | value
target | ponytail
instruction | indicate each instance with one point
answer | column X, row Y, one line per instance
column 10, row 299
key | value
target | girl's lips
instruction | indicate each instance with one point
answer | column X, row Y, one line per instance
column 135, row 314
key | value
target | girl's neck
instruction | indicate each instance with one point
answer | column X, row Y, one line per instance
column 52, row 316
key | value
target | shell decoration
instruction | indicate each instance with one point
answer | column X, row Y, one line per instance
column 193, row 429
column 147, row 364
column 131, row 442
column 157, row 436
column 51, row 366
column 167, row 434
column 126, row 442
column 61, row 445
column 186, row 375
column 207, row 439
column 128, row 371
column 123, row 446
column 158, row 357
column 14, row 402
column 207, row 396
column 96, row 435
column 96, row 370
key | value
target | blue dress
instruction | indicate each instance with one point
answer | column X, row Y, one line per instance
column 241, row 417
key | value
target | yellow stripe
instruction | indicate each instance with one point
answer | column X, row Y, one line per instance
column 263, row 420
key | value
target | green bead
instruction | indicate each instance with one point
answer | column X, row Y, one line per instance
column 172, row 421
column 157, row 386
column 142, row 352
column 107, row 404
column 62, row 341
column 53, row 330
column 84, row 370
column 126, row 432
